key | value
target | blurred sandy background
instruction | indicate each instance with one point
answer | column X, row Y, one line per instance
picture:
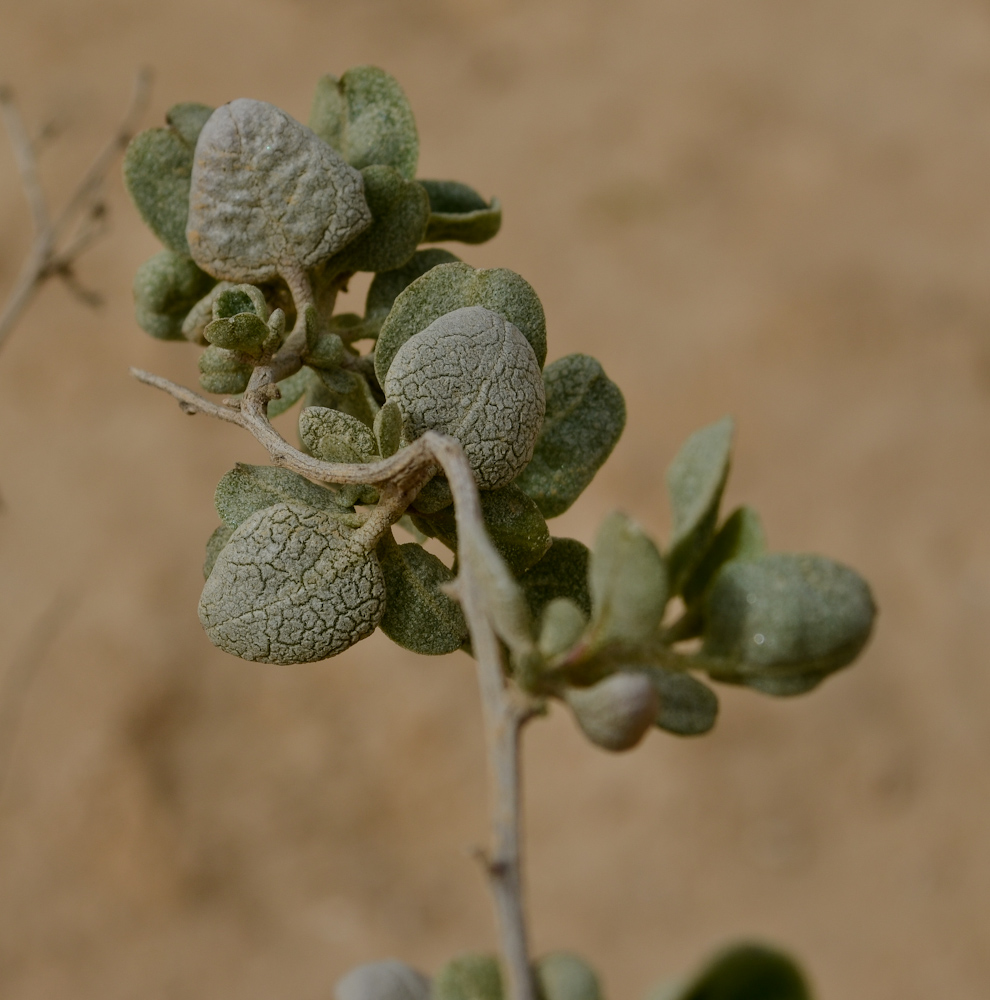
column 773, row 209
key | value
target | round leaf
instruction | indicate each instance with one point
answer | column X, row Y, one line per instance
column 386, row 285
column 387, row 980
column 617, row 712
column 563, row 976
column 247, row 489
column 166, row 288
column 447, row 287
column 334, row 436
column 268, row 198
column 687, row 707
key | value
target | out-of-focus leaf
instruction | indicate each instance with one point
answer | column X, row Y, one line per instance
column 563, row 976
column 687, row 707
column 469, row 977
column 617, row 712
column 562, row 572
column 740, row 537
column 166, row 288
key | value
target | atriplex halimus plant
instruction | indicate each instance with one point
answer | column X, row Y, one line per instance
column 449, row 425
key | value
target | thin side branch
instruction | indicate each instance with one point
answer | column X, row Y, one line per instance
column 82, row 214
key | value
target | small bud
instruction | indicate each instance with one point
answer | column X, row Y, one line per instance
column 615, row 713
column 385, row 980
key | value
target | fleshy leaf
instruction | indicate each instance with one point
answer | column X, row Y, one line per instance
column 157, row 170
column 214, row 546
column 267, row 197
column 740, row 537
column 386, row 980
column 561, row 626
column 458, row 212
column 418, row 616
column 222, row 371
column 399, row 212
column 687, row 707
column 386, row 285
column 292, row 585
column 366, row 117
column 695, row 481
column 292, row 390
column 250, row 488
column 166, row 288
column 743, row 972
column 785, row 616
column 563, row 976
column 447, row 287
column 472, row 375
column 244, row 332
column 469, row 977
column 388, row 429
column 562, row 572
column 513, row 522
column 334, row 436
column 584, row 418
column 617, row 712
column 628, row 583
column 434, row 496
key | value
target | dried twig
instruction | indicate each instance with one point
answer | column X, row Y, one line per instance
column 59, row 242
column 488, row 595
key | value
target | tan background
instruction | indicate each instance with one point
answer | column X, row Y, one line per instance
column 774, row 209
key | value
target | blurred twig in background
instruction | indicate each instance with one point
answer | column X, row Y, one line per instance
column 59, row 242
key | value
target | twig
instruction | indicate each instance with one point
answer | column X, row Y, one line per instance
column 83, row 212
column 493, row 609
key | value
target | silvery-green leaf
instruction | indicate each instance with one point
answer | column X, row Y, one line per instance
column 333, row 436
column 562, row 572
column 695, row 481
column 458, row 212
column 388, row 429
column 434, row 496
column 563, row 976
column 222, row 371
column 292, row 390
column 366, row 117
column 785, row 615
column 617, row 712
column 188, row 120
column 386, row 285
column 399, row 212
column 201, row 314
column 740, row 537
column 292, row 585
column 742, row 972
column 166, row 288
column 584, row 418
column 267, row 197
column 214, row 546
column 787, row 686
column 687, row 707
column 472, row 375
column 513, row 522
column 386, row 980
column 469, row 977
column 233, row 300
column 244, row 332
column 157, row 169
column 561, row 626
column 250, row 488
column 628, row 583
column 447, row 287
column 326, row 351
column 418, row 616
column 349, row 392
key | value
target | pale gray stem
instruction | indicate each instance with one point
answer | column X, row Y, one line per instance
column 488, row 596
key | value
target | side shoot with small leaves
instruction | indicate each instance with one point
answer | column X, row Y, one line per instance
column 435, row 411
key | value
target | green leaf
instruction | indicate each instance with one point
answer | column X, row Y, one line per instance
column 157, row 170
column 695, row 481
column 433, row 497
column 562, row 572
column 513, row 522
column 292, row 390
column 244, row 332
column 188, row 120
column 386, row 285
column 366, row 117
column 458, row 212
column 744, row 972
column 327, row 351
column 388, row 429
column 399, row 212
column 249, row 488
column 386, row 980
column 469, row 977
column 563, row 976
column 222, row 371
column 333, row 436
column 785, row 616
column 687, row 707
column 349, row 392
column 214, row 546
column 234, row 300
column 447, row 287
column 584, row 418
column 628, row 583
column 561, row 626
column 740, row 537
column 166, row 288
column 617, row 712
column 418, row 616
